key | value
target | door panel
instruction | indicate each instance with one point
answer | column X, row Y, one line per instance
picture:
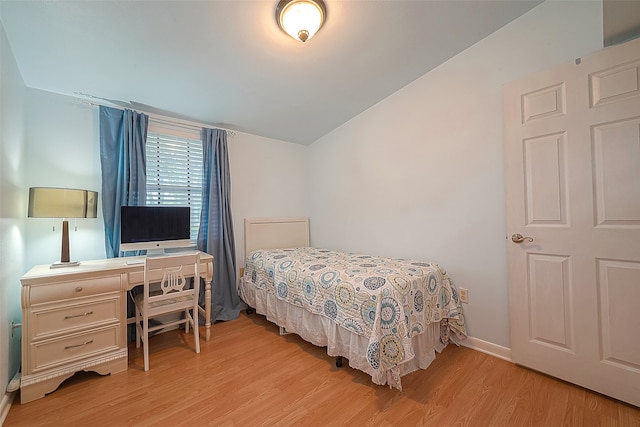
column 614, row 84
column 550, row 301
column 545, row 180
column 572, row 165
column 616, row 153
column 617, row 282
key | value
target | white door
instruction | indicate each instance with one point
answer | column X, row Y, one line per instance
column 572, row 161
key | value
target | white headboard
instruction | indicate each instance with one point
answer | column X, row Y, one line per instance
column 273, row 233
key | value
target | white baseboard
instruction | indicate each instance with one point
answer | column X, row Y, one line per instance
column 5, row 405
column 491, row 349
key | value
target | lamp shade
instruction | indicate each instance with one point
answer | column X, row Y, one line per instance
column 45, row 202
column 301, row 19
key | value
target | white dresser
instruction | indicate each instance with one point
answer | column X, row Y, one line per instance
column 75, row 319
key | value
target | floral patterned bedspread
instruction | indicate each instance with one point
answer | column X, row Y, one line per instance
column 388, row 300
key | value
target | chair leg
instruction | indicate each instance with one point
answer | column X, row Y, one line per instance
column 196, row 330
column 186, row 323
column 145, row 342
column 138, row 320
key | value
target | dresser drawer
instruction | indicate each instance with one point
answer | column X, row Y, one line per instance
column 74, row 316
column 51, row 353
column 58, row 291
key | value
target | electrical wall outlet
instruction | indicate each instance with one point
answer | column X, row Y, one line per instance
column 464, row 295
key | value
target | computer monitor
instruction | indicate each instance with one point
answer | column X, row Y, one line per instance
column 154, row 228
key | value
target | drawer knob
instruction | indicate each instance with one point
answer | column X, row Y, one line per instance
column 79, row 289
column 78, row 345
column 85, row 314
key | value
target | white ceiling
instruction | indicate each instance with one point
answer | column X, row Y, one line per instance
column 620, row 20
column 227, row 63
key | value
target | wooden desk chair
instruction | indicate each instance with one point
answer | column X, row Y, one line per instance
column 175, row 295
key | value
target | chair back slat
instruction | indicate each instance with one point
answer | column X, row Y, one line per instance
column 173, row 280
column 171, row 272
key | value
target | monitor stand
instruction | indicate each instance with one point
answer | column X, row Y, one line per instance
column 139, row 259
column 153, row 253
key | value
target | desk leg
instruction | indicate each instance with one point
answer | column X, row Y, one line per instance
column 207, row 309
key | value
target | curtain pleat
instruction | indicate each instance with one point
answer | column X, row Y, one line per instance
column 123, row 135
column 216, row 226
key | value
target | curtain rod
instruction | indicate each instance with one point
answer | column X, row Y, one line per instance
column 173, row 121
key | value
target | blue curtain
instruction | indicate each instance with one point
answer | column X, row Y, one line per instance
column 216, row 226
column 123, row 135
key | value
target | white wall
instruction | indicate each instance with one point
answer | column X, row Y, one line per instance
column 12, row 212
column 63, row 151
column 420, row 174
column 268, row 179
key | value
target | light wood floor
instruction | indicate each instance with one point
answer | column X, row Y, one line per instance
column 248, row 375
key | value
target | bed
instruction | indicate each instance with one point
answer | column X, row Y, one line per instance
column 387, row 316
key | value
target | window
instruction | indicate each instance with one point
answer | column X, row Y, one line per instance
column 174, row 168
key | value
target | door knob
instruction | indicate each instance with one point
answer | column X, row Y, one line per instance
column 519, row 238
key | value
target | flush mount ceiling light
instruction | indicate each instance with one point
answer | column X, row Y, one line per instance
column 301, row 19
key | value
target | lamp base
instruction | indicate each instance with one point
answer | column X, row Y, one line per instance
column 60, row 264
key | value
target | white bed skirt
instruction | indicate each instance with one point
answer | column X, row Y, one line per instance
column 339, row 341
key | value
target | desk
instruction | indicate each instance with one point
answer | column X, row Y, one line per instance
column 75, row 318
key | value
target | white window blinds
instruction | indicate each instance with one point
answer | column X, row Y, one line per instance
column 174, row 170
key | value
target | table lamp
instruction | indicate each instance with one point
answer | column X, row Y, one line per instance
column 62, row 203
